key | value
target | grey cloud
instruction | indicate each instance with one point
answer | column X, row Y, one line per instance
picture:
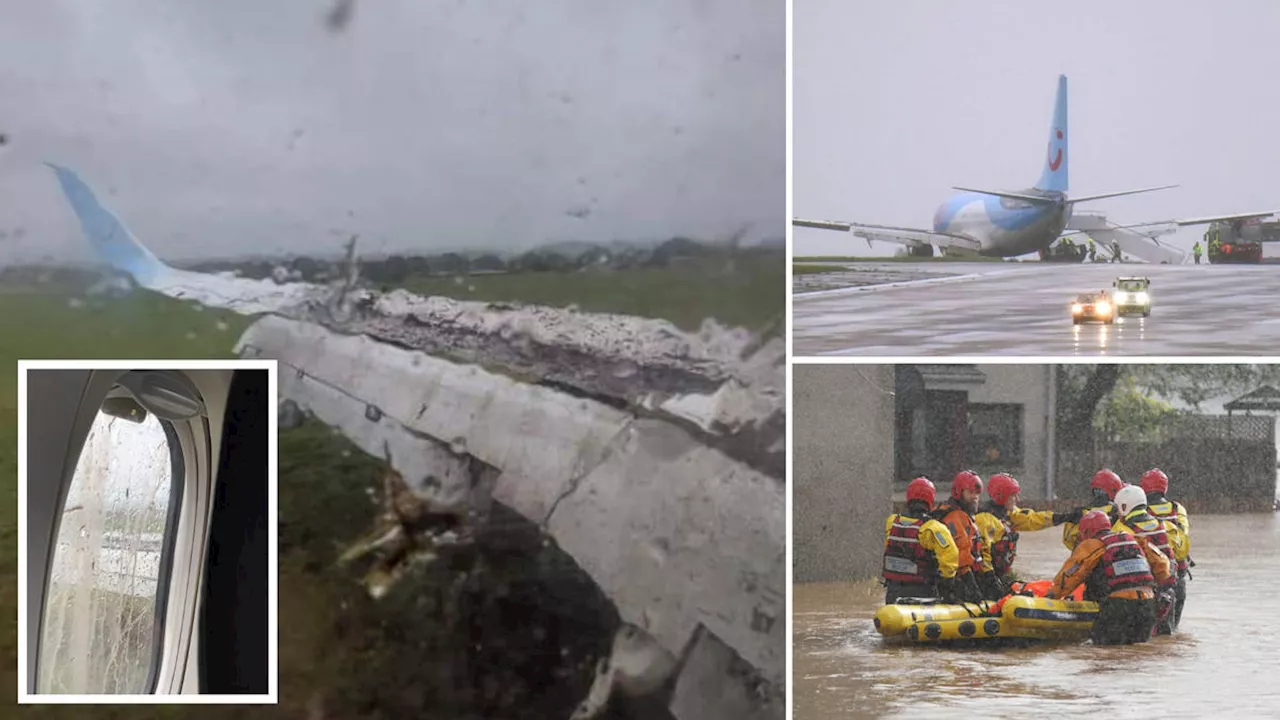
column 228, row 127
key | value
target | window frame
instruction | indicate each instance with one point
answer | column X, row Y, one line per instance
column 177, row 489
column 178, row 473
column 1017, row 414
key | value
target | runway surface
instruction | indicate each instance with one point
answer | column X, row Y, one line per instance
column 1023, row 309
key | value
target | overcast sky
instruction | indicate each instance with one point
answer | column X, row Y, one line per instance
column 222, row 127
column 895, row 102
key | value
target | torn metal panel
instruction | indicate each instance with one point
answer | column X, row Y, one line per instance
column 715, row 684
column 680, row 535
column 676, row 533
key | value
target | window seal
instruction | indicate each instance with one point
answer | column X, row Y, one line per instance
column 177, row 487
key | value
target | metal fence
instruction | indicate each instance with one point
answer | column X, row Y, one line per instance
column 1215, row 463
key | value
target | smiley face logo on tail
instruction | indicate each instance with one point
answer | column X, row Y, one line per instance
column 1056, row 160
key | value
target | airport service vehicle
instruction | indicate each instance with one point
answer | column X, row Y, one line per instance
column 1026, row 614
column 1093, row 306
column 1132, row 296
column 1239, row 241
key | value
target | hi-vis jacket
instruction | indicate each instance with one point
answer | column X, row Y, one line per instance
column 1165, row 536
column 1173, row 513
column 918, row 550
column 1000, row 534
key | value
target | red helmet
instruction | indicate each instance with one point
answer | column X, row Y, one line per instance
column 1154, row 481
column 1107, row 481
column 1002, row 487
column 1093, row 524
column 965, row 480
column 920, row 489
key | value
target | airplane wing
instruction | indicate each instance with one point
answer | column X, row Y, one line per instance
column 900, row 235
column 678, row 438
column 1210, row 219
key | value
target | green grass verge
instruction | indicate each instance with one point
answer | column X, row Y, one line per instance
column 815, row 269
column 747, row 290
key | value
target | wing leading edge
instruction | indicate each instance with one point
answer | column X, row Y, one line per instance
column 914, row 237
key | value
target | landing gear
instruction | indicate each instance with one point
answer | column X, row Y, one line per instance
column 920, row 251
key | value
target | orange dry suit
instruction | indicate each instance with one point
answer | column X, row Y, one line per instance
column 1114, row 565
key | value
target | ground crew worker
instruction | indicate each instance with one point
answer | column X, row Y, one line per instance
column 1115, row 251
column 1195, row 250
column 1120, row 574
column 974, row 574
column 1093, row 251
column 920, row 558
column 1131, row 502
column 1001, row 520
column 1155, row 483
column 1104, row 487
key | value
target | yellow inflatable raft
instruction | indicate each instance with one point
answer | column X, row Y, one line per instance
column 1015, row 616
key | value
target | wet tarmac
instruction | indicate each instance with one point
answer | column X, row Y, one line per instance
column 1222, row 662
column 1022, row 309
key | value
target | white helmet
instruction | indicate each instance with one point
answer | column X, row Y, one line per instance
column 1130, row 497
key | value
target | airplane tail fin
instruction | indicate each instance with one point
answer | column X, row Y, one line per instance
column 109, row 239
column 1054, row 175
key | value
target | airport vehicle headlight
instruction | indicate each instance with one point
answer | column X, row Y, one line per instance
column 1104, row 308
column 1143, row 298
column 1076, row 309
column 1122, row 297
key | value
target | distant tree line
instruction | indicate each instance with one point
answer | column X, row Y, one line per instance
column 398, row 268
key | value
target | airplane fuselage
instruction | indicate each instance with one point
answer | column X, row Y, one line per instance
column 1006, row 227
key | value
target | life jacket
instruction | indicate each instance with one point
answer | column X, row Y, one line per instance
column 1142, row 525
column 1123, row 566
column 1004, row 550
column 968, row 539
column 905, row 559
column 1168, row 510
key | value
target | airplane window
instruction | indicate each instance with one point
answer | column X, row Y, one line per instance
column 102, row 612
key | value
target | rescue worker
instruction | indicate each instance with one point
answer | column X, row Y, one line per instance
column 1120, row 574
column 1195, row 251
column 919, row 554
column 1155, row 483
column 1131, row 502
column 1001, row 520
column 1093, row 251
column 974, row 572
column 1115, row 251
column 1104, row 487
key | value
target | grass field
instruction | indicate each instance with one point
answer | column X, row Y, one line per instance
column 748, row 290
column 416, row 649
column 798, row 269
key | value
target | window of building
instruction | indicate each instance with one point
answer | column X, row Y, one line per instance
column 995, row 436
column 108, row 582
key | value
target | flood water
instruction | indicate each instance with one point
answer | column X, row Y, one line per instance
column 1225, row 658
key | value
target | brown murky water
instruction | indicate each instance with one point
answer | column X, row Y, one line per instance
column 1224, row 661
